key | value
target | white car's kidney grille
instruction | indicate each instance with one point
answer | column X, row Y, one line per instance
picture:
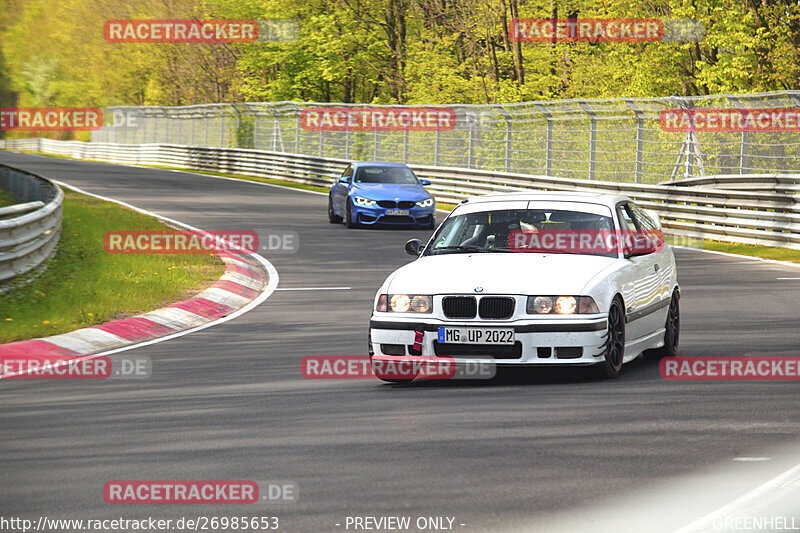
column 489, row 307
column 496, row 307
column 459, row 306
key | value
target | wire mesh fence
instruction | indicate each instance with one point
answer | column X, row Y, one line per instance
column 622, row 139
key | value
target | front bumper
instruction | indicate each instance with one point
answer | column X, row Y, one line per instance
column 537, row 342
column 419, row 216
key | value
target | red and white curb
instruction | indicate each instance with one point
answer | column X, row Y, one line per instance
column 249, row 279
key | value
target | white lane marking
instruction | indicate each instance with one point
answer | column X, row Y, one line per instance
column 768, row 490
column 272, row 280
column 739, row 256
column 314, row 289
column 787, row 278
column 751, row 459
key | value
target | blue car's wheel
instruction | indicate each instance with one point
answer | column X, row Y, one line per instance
column 333, row 218
column 348, row 217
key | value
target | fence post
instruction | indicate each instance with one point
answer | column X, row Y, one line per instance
column 471, row 120
column 256, row 116
column 297, row 130
column 206, row 123
column 180, row 128
column 592, row 138
column 548, row 153
column 639, row 137
column 436, row 148
column 405, row 147
column 744, row 147
column 222, row 128
column 509, row 122
column 238, row 125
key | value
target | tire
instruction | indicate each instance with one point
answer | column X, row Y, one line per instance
column 615, row 342
column 348, row 217
column 333, row 218
column 672, row 333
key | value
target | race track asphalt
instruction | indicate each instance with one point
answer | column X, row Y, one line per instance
column 229, row 402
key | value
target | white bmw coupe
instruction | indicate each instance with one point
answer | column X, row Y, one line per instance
column 534, row 279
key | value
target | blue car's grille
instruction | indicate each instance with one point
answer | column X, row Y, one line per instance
column 405, row 205
column 387, row 203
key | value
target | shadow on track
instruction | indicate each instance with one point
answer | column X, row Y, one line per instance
column 637, row 371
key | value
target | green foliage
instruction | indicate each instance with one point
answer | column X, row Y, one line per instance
column 390, row 51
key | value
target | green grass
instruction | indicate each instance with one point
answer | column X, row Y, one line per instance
column 764, row 252
column 5, row 198
column 83, row 285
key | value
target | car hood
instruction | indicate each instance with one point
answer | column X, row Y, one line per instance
column 390, row 191
column 499, row 273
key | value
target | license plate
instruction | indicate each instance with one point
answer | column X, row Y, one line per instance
column 397, row 212
column 476, row 335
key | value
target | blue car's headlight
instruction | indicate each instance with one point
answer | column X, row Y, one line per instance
column 425, row 203
column 364, row 202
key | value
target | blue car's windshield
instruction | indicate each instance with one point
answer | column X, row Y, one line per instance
column 397, row 175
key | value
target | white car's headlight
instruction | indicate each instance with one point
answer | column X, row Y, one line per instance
column 404, row 303
column 425, row 203
column 364, row 202
column 561, row 305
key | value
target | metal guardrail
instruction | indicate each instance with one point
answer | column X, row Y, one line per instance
column 29, row 231
column 761, row 216
column 785, row 183
column 612, row 139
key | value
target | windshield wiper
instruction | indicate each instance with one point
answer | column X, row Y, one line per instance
column 472, row 249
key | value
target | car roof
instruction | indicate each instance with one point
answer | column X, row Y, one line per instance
column 377, row 164
column 610, row 200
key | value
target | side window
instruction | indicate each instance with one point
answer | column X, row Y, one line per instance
column 348, row 172
column 626, row 219
column 645, row 222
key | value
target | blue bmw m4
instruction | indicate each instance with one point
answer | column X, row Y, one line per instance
column 371, row 193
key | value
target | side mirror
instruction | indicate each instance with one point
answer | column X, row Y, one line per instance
column 414, row 247
column 424, row 183
column 636, row 244
column 344, row 179
column 652, row 214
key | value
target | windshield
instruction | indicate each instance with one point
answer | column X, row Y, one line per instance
column 398, row 175
column 514, row 230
